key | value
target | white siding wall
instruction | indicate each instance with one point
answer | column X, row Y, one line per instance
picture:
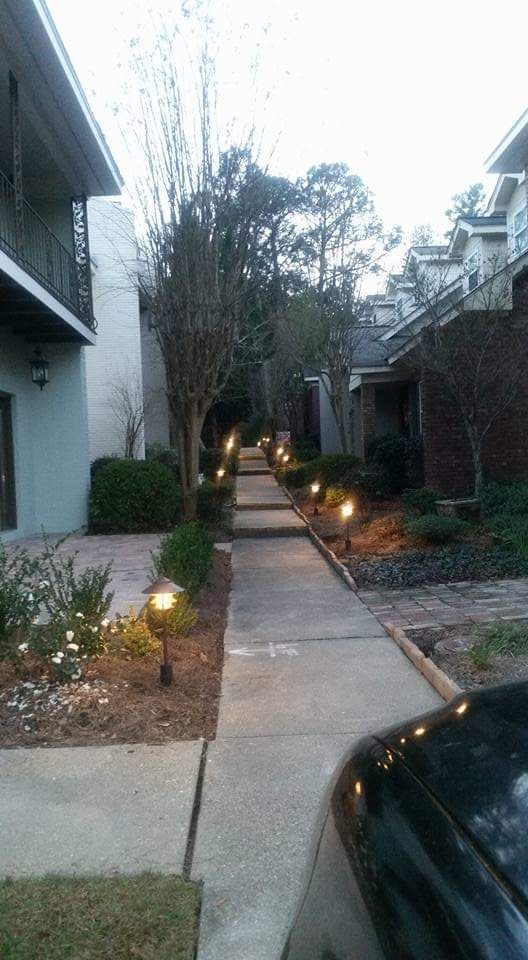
column 49, row 435
column 116, row 357
column 330, row 442
column 154, row 387
column 517, row 201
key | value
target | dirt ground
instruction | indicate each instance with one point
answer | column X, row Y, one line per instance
column 120, row 700
column 447, row 647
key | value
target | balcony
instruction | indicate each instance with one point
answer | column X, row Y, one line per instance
column 29, row 242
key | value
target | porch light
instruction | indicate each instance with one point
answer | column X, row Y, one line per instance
column 315, row 488
column 346, row 512
column 163, row 593
column 39, row 369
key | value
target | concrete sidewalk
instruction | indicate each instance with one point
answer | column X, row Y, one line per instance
column 308, row 669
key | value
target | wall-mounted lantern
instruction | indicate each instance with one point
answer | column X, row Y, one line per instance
column 39, row 369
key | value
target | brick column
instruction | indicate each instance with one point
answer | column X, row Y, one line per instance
column 368, row 414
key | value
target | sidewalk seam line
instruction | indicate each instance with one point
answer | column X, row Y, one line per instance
column 195, row 814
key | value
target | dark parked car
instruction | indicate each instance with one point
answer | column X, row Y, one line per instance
column 423, row 848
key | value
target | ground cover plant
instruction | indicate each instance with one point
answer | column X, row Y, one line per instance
column 475, row 657
column 421, row 500
column 433, row 529
column 446, row 564
column 60, row 918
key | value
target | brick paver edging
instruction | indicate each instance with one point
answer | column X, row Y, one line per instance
column 443, row 684
column 321, row 546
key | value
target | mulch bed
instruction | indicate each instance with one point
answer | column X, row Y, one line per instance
column 447, row 647
column 121, row 700
column 383, row 554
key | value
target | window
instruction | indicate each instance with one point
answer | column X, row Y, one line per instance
column 520, row 230
column 7, row 476
column 473, row 270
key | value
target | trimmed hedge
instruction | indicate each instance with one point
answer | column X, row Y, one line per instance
column 434, row 529
column 329, row 469
column 422, row 500
column 185, row 556
column 212, row 498
column 134, row 496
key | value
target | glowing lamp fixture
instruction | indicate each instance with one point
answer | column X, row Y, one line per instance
column 230, row 443
column 163, row 593
column 286, row 457
column 259, row 443
column 346, row 512
column 315, row 488
column 280, row 451
column 220, row 473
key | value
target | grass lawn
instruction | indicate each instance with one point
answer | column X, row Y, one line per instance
column 146, row 917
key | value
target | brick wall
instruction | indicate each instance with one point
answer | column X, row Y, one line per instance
column 447, row 454
column 368, row 414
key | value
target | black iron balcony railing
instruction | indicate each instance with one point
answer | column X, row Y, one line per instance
column 29, row 242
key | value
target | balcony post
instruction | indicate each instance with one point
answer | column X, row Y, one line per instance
column 16, row 141
column 81, row 250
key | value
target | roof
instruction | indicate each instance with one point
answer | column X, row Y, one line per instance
column 433, row 250
column 466, row 227
column 495, row 219
column 47, row 74
column 371, row 350
column 511, row 154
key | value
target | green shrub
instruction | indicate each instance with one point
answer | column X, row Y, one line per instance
column 512, row 498
column 496, row 640
column 180, row 619
column 98, row 464
column 19, row 596
column 305, row 450
column 329, row 469
column 212, row 498
column 185, row 556
column 134, row 496
column 512, row 530
column 211, row 459
column 335, row 496
column 433, row 529
column 422, row 500
column 165, row 455
column 134, row 635
column 75, row 606
column 390, row 452
column 369, row 482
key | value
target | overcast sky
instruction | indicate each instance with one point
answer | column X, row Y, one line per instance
column 412, row 95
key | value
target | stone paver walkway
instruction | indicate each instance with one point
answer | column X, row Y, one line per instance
column 449, row 604
column 308, row 669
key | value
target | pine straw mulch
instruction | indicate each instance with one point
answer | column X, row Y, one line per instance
column 121, row 700
column 448, row 647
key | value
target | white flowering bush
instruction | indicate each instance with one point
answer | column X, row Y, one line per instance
column 20, row 597
column 68, row 624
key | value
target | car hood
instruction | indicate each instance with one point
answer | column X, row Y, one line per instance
column 472, row 756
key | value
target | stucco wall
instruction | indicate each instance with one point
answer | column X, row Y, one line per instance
column 115, row 360
column 50, row 437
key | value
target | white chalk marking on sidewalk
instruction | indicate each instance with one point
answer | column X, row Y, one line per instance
column 243, row 652
column 273, row 649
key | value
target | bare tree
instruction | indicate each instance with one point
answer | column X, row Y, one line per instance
column 129, row 410
column 475, row 342
column 198, row 221
column 340, row 242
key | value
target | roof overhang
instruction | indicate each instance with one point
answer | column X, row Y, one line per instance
column 46, row 72
column 511, row 155
column 503, row 191
column 464, row 230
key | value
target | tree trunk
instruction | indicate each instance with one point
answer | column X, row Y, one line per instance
column 476, row 453
column 189, row 432
column 339, row 400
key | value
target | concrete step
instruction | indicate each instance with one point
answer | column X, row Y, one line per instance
column 268, row 523
column 253, row 470
column 251, row 453
column 262, row 505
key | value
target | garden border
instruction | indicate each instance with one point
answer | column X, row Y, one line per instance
column 328, row 554
column 443, row 684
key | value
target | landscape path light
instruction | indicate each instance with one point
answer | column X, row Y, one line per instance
column 346, row 512
column 286, row 457
column 163, row 593
column 280, row 451
column 220, row 473
column 315, row 488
